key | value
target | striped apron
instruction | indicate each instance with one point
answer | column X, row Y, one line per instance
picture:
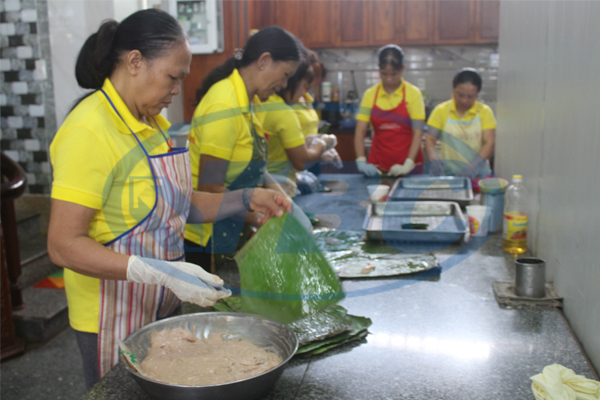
column 127, row 306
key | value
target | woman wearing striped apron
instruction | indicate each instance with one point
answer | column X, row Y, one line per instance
column 122, row 193
column 465, row 128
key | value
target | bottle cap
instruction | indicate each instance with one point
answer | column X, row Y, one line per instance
column 517, row 178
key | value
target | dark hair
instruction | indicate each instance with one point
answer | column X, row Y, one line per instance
column 467, row 75
column 304, row 71
column 280, row 43
column 153, row 32
column 391, row 55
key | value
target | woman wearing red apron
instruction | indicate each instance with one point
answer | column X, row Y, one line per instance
column 396, row 112
column 122, row 193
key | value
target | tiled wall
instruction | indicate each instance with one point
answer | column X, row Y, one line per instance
column 28, row 122
column 430, row 68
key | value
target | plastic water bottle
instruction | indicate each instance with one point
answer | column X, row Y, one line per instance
column 514, row 224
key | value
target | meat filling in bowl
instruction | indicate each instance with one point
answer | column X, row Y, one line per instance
column 179, row 357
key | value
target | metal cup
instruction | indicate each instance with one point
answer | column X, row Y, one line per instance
column 530, row 280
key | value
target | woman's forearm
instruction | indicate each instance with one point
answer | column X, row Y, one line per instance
column 488, row 138
column 210, row 207
column 415, row 145
column 359, row 138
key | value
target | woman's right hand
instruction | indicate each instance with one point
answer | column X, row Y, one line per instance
column 366, row 168
column 268, row 202
column 188, row 281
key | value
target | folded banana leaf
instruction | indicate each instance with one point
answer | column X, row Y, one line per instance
column 358, row 331
column 283, row 274
column 322, row 324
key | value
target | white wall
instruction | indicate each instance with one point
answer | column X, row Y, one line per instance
column 71, row 23
column 549, row 131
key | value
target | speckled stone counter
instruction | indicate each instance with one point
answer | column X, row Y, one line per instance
column 440, row 335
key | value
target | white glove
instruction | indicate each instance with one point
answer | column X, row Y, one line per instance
column 333, row 139
column 333, row 157
column 188, row 281
column 366, row 168
column 403, row 169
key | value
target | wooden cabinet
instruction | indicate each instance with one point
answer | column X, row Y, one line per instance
column 358, row 23
column 487, row 21
column 384, row 18
column 417, row 22
column 454, row 21
column 353, row 23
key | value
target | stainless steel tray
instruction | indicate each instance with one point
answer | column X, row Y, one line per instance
column 445, row 221
column 433, row 188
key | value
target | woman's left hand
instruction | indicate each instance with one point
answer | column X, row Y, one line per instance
column 269, row 202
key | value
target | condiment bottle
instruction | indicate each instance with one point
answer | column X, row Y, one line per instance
column 514, row 227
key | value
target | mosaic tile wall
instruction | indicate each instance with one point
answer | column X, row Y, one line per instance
column 28, row 120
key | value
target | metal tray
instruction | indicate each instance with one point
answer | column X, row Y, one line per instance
column 433, row 188
column 445, row 221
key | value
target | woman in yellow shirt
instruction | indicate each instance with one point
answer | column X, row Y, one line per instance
column 289, row 150
column 466, row 129
column 122, row 193
column 228, row 148
column 395, row 110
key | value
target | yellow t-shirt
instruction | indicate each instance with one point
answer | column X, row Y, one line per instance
column 385, row 101
column 221, row 128
column 440, row 113
column 307, row 116
column 99, row 164
column 282, row 128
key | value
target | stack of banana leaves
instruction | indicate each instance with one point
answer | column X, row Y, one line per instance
column 317, row 332
column 284, row 276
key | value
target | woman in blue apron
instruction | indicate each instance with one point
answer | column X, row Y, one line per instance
column 228, row 147
column 122, row 193
column 465, row 128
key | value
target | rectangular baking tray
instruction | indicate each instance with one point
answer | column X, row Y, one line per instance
column 433, row 188
column 445, row 221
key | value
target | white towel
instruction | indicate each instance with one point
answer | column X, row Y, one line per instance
column 559, row 383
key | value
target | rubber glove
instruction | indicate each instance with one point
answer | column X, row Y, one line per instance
column 398, row 169
column 333, row 157
column 332, row 139
column 188, row 281
column 301, row 217
column 366, row 168
column 559, row 383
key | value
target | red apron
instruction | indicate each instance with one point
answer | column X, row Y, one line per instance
column 393, row 135
column 127, row 306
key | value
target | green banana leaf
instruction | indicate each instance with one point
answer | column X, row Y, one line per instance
column 283, row 274
column 358, row 330
column 327, row 347
column 322, row 324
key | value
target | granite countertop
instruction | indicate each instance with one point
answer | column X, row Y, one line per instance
column 440, row 335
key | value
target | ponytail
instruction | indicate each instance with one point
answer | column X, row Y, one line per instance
column 96, row 59
column 218, row 73
column 281, row 44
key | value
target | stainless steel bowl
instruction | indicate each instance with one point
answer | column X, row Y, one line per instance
column 261, row 331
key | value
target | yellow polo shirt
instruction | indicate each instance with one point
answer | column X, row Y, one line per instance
column 385, row 101
column 283, row 130
column 221, row 128
column 307, row 116
column 440, row 114
column 98, row 163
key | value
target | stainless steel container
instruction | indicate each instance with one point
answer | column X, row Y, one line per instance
column 530, row 280
column 261, row 331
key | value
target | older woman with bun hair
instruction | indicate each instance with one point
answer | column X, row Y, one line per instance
column 122, row 193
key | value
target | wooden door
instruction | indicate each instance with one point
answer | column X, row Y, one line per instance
column 487, row 21
column 454, row 22
column 417, row 22
column 353, row 23
column 261, row 13
column 384, row 18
